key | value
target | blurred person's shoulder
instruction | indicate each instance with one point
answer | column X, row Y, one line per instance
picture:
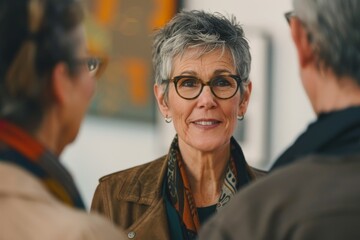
column 302, row 188
column 308, row 194
column 29, row 211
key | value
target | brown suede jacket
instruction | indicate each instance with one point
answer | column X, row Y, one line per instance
column 132, row 199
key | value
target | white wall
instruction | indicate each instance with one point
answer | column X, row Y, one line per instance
column 105, row 145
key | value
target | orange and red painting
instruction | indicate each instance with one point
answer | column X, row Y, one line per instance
column 122, row 31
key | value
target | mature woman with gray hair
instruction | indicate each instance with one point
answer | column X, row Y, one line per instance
column 201, row 63
column 313, row 191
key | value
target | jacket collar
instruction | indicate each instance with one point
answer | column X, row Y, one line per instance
column 143, row 184
column 335, row 133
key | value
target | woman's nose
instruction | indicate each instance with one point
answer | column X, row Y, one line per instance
column 206, row 98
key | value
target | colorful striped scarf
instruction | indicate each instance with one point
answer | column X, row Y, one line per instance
column 19, row 148
column 180, row 195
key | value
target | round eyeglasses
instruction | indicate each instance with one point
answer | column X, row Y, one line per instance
column 190, row 87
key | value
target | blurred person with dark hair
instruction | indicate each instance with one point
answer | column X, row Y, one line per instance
column 201, row 63
column 47, row 79
column 313, row 192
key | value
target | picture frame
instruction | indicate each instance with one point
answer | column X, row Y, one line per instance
column 121, row 31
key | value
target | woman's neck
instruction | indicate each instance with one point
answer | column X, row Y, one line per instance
column 333, row 94
column 49, row 134
column 205, row 171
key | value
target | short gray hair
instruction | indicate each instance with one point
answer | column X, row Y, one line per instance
column 333, row 28
column 208, row 31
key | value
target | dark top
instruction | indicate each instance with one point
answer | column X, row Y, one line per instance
column 335, row 133
column 205, row 212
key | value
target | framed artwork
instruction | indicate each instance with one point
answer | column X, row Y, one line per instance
column 121, row 31
column 253, row 133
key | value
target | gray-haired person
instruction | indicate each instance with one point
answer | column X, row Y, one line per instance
column 314, row 192
column 201, row 63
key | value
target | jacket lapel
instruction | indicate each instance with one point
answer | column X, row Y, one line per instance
column 143, row 186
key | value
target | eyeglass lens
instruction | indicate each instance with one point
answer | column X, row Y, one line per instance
column 93, row 64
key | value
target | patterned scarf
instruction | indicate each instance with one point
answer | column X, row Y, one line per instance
column 180, row 194
column 17, row 147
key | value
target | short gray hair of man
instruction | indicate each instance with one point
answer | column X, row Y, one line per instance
column 334, row 31
column 204, row 31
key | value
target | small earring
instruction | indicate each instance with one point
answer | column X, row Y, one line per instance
column 240, row 118
column 168, row 119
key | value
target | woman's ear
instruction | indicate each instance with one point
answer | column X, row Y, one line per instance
column 301, row 40
column 161, row 101
column 245, row 99
column 61, row 83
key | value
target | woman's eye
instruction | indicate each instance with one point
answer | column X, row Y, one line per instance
column 188, row 82
column 221, row 82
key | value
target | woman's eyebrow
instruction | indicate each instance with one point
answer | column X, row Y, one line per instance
column 189, row 72
column 220, row 71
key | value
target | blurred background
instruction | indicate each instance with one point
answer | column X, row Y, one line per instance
column 124, row 128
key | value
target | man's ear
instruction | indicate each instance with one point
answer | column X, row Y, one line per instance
column 160, row 98
column 302, row 44
column 61, row 83
column 245, row 99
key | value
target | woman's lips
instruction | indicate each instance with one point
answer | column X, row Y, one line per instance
column 206, row 123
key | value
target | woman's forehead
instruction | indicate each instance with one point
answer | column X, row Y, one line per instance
column 198, row 55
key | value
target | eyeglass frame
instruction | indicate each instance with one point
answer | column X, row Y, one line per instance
column 176, row 79
column 289, row 15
